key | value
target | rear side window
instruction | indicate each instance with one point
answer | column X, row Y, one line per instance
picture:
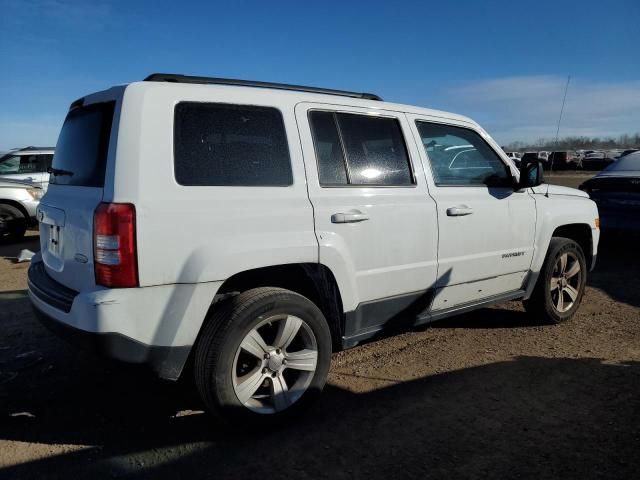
column 17, row 164
column 46, row 160
column 230, row 145
column 81, row 152
column 332, row 168
column 355, row 149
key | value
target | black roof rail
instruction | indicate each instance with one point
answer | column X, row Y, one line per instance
column 174, row 78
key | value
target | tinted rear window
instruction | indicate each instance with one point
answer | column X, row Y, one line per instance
column 82, row 146
column 230, row 145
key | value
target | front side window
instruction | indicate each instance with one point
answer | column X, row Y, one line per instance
column 230, row 145
column 460, row 157
column 354, row 149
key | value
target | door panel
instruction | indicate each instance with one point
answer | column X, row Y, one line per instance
column 495, row 238
column 465, row 293
column 486, row 228
column 380, row 241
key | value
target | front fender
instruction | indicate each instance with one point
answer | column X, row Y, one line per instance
column 555, row 212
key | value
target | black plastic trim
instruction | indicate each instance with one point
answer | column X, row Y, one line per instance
column 176, row 78
column 76, row 104
column 410, row 310
column 467, row 307
column 167, row 362
column 385, row 316
column 48, row 290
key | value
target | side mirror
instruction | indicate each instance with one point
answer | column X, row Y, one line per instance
column 531, row 175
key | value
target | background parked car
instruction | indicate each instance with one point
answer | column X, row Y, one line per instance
column 616, row 191
column 28, row 164
column 563, row 160
column 515, row 156
column 18, row 204
column 529, row 157
column 595, row 161
column 627, row 152
column 543, row 156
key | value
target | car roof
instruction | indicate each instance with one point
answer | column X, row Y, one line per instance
column 30, row 150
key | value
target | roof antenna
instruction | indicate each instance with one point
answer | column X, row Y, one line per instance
column 564, row 99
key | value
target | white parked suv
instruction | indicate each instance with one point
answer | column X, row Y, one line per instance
column 253, row 228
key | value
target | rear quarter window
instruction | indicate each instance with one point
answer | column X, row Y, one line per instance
column 81, row 152
column 230, row 145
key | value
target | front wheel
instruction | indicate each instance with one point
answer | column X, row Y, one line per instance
column 561, row 283
column 262, row 355
column 13, row 225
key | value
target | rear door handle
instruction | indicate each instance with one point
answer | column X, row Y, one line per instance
column 349, row 217
column 459, row 211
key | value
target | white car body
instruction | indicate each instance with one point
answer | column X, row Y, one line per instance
column 23, row 195
column 191, row 240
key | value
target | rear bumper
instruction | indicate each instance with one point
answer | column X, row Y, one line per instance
column 167, row 362
column 155, row 325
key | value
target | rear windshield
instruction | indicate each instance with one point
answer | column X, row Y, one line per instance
column 81, row 153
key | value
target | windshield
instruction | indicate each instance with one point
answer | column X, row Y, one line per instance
column 81, row 153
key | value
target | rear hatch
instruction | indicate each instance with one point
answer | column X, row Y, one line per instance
column 75, row 190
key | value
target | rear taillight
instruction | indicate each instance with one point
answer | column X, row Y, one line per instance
column 114, row 245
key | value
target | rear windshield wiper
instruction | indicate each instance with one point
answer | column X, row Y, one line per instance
column 59, row 171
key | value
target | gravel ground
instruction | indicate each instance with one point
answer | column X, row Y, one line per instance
column 490, row 394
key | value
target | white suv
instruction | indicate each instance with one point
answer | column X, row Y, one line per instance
column 255, row 227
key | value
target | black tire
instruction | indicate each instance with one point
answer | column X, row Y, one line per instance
column 225, row 328
column 542, row 305
column 13, row 224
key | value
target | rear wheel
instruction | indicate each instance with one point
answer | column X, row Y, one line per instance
column 13, row 225
column 263, row 355
column 561, row 283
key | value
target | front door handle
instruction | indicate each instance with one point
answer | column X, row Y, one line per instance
column 349, row 217
column 459, row 211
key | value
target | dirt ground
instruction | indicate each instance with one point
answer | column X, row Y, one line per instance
column 491, row 394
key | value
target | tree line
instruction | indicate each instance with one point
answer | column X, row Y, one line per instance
column 579, row 143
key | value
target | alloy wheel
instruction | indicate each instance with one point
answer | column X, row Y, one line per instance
column 275, row 364
column 565, row 282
